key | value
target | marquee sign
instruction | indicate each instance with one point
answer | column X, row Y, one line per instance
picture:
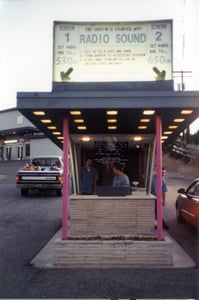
column 128, row 51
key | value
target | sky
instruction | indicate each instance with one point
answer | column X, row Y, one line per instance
column 26, row 37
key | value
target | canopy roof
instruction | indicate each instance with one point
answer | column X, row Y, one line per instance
column 130, row 100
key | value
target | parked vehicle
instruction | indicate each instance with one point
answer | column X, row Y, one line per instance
column 187, row 204
column 42, row 173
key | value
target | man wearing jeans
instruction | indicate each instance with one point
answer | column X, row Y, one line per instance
column 164, row 190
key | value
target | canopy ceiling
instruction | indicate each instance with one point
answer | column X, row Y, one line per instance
column 93, row 100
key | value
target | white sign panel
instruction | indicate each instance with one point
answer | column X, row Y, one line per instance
column 140, row 51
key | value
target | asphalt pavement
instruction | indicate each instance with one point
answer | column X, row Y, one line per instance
column 26, row 226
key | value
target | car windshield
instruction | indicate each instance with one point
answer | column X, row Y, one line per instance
column 47, row 162
column 194, row 189
column 196, row 192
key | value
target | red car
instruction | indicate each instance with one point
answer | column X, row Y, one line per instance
column 187, row 204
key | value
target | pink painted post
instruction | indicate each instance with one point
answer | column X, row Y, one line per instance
column 65, row 180
column 159, row 176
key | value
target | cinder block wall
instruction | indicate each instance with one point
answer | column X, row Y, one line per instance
column 112, row 216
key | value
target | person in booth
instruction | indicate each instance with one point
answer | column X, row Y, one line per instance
column 88, row 178
column 120, row 179
column 164, row 190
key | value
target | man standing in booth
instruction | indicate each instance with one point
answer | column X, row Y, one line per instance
column 88, row 178
column 164, row 190
column 120, row 179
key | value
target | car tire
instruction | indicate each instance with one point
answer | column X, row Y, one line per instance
column 24, row 192
column 178, row 215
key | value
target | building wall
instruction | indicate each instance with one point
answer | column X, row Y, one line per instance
column 44, row 146
column 36, row 147
column 12, row 118
column 14, row 151
column 20, row 139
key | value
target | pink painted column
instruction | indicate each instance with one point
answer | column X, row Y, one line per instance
column 159, row 177
column 65, row 180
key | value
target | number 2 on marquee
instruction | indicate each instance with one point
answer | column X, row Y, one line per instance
column 158, row 36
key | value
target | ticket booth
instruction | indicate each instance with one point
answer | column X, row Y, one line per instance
column 113, row 98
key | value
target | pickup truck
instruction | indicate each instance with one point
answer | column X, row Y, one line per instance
column 42, row 173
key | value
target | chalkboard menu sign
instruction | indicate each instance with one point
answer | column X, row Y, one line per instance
column 111, row 152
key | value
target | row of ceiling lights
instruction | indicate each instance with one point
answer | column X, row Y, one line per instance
column 111, row 122
column 49, row 124
column 176, row 121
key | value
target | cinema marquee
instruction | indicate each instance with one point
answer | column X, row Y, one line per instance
column 122, row 51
